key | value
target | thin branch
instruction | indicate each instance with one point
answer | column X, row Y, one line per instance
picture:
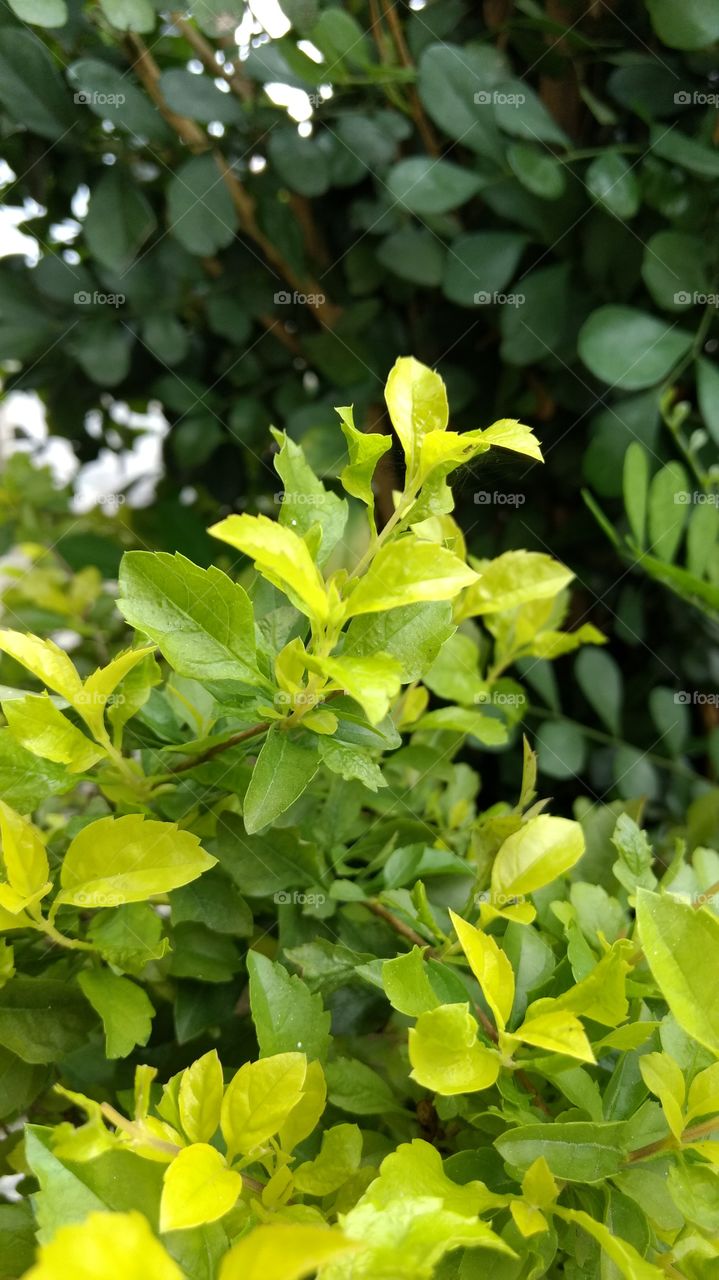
column 404, row 930
column 424, row 128
column 219, row 747
column 241, row 87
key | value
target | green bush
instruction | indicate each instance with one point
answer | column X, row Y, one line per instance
column 280, row 997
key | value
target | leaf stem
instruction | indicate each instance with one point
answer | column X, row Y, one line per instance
column 193, row 761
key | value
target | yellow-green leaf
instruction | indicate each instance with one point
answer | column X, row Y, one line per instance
column 512, row 579
column 129, row 859
column 304, row 1117
column 681, row 945
column 560, row 1032
column 490, row 967
column 124, row 1007
column 45, row 660
column 199, row 1097
column 281, row 556
column 408, row 571
column 259, row 1100
column 101, row 685
column 24, row 859
column 283, row 1251
column 625, row 1257
column 510, row 433
column 703, row 1097
column 446, row 1055
column 539, row 1186
column 197, row 1187
column 365, row 448
column 416, row 399
column 103, row 1246
column 371, row 681
column 663, row 1077
column 38, row 725
column 535, row 855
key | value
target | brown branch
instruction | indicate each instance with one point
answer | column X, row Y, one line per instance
column 424, row 128
column 670, row 1144
column 206, row 53
column 219, row 747
column 404, row 930
column 148, row 72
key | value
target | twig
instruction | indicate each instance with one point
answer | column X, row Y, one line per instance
column 399, row 926
column 424, row 128
column 219, row 747
column 206, row 53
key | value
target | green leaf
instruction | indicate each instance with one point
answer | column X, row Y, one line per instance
column 198, row 1187
column 407, row 985
column 124, row 1007
column 201, row 620
column 338, row 1159
column 600, row 679
column 612, row 180
column 41, row 13
column 413, row 634
column 674, row 269
column 446, row 1055
column 198, row 97
column 426, row 186
column 663, row 1077
column 449, row 78
column 299, row 162
column 681, row 945
column 283, row 1251
column 482, row 262
column 636, row 489
column 354, row 1087
column 575, row 1150
column 634, row 866
column 281, row 556
column 259, row 1099
column 625, row 1257
column 43, row 1019
column 199, row 1098
column 351, row 763
column 128, row 859
column 284, row 769
column 413, row 254
column 538, row 171
column 541, row 850
column 31, row 90
column 692, row 26
column 129, row 15
column 490, row 966
column 408, row 571
column 286, row 1014
column 200, row 211
column 305, row 502
column 119, row 220
column 668, row 510
column 708, row 393
column 44, row 659
column 520, row 111
column 630, row 349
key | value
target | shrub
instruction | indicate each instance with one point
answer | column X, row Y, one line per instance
column 279, row 998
